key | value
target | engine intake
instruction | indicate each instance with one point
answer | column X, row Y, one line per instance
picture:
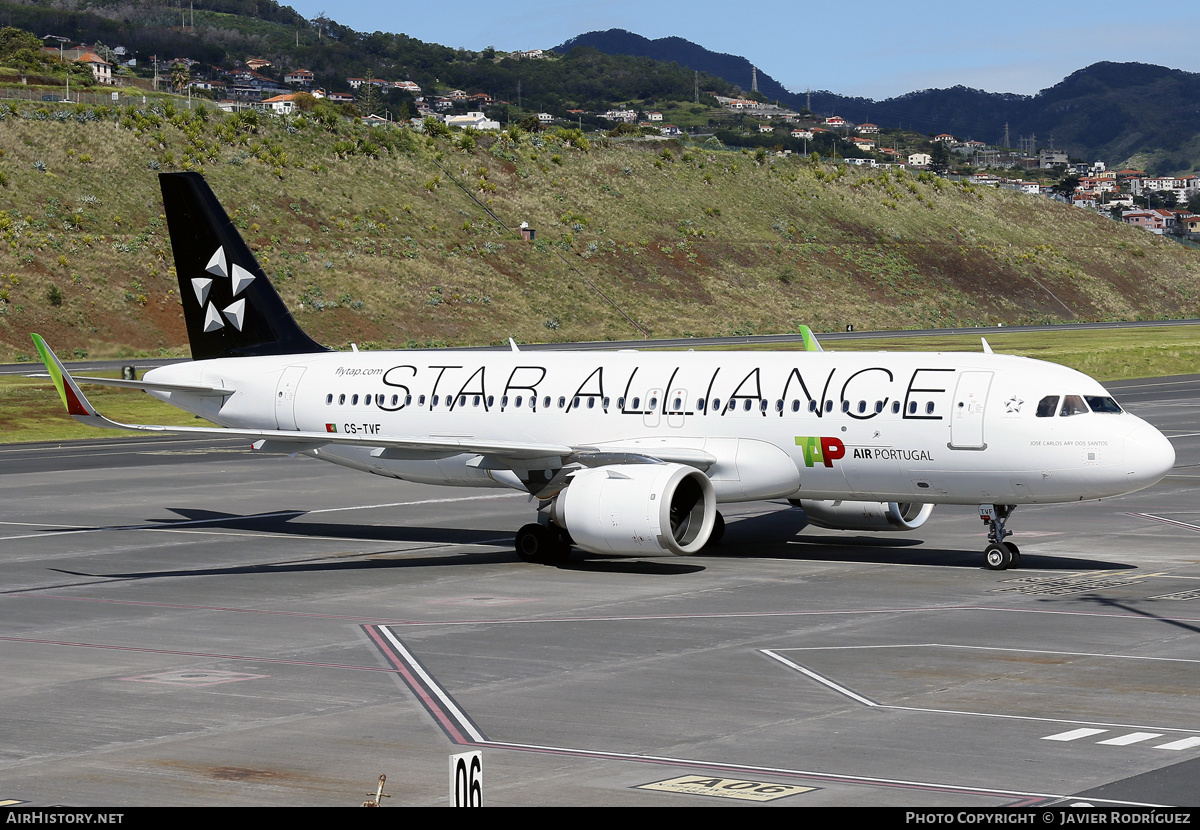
column 864, row 515
column 638, row 508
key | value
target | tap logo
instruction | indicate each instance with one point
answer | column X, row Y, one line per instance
column 239, row 278
column 823, row 450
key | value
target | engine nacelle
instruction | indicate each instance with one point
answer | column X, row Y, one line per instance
column 638, row 508
column 864, row 515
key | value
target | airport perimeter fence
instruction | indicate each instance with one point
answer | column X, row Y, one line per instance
column 120, row 97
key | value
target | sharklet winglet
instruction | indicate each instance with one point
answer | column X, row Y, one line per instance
column 72, row 396
column 810, row 340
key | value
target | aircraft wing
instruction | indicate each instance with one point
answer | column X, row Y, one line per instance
column 500, row 454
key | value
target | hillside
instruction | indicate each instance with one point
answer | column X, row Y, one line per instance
column 369, row 240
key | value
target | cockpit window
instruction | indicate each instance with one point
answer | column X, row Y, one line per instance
column 1101, row 403
column 1072, row 405
column 1047, row 406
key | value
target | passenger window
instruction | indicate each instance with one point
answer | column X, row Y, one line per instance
column 895, row 407
column 475, row 401
column 845, row 406
column 636, row 403
column 912, row 407
column 1072, row 405
column 562, row 402
column 504, row 401
column 421, row 401
column 675, row 404
column 1047, row 406
column 653, row 404
column 700, row 404
column 354, row 400
column 862, row 407
column 929, row 408
column 546, row 402
column 716, row 404
column 878, row 407
column 746, row 406
column 435, row 400
column 812, row 406
column 796, row 406
column 575, row 402
column 341, row 400
column 829, row 406
column 328, row 399
column 591, row 403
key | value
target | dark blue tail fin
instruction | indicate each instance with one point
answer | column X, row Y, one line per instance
column 229, row 305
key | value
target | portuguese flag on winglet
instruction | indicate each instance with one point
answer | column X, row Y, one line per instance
column 331, row 427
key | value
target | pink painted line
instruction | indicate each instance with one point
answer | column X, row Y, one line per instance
column 431, row 703
column 70, row 644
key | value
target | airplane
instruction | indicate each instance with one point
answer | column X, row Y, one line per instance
column 631, row 452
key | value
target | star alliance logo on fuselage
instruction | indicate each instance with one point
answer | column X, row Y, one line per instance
column 239, row 278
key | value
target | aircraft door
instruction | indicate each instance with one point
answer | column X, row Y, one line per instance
column 652, row 413
column 966, row 419
column 285, row 397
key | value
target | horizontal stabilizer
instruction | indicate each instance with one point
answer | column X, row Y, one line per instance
column 149, row 386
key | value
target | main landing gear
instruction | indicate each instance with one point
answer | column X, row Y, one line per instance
column 546, row 544
column 999, row 555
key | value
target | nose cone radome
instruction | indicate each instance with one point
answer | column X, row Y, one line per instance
column 1148, row 457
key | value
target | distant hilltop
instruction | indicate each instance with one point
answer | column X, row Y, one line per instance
column 1125, row 113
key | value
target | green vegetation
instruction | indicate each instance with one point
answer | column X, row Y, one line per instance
column 1105, row 354
column 362, row 228
column 30, row 410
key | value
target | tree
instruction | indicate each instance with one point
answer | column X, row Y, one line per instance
column 939, row 157
column 181, row 76
column 1066, row 186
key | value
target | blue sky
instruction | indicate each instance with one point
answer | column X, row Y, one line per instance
column 869, row 48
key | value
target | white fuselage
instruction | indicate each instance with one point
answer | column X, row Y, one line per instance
column 930, row 427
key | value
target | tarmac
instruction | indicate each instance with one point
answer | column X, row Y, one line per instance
column 195, row 624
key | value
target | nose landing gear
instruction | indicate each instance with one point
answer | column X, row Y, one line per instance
column 999, row 555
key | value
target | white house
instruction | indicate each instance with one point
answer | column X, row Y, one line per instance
column 920, row 160
column 472, row 119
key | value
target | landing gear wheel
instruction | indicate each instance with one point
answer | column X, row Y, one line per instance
column 997, row 557
column 533, row 541
column 718, row 530
column 1015, row 555
column 538, row 543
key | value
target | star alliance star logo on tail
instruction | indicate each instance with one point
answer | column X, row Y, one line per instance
column 239, row 278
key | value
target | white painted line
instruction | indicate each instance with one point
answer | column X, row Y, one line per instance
column 1074, row 735
column 459, row 717
column 1131, row 738
column 1186, row 743
column 824, row 681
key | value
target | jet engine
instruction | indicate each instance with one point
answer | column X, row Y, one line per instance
column 638, row 508
column 864, row 515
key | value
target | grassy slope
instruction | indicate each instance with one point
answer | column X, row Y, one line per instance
column 705, row 242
